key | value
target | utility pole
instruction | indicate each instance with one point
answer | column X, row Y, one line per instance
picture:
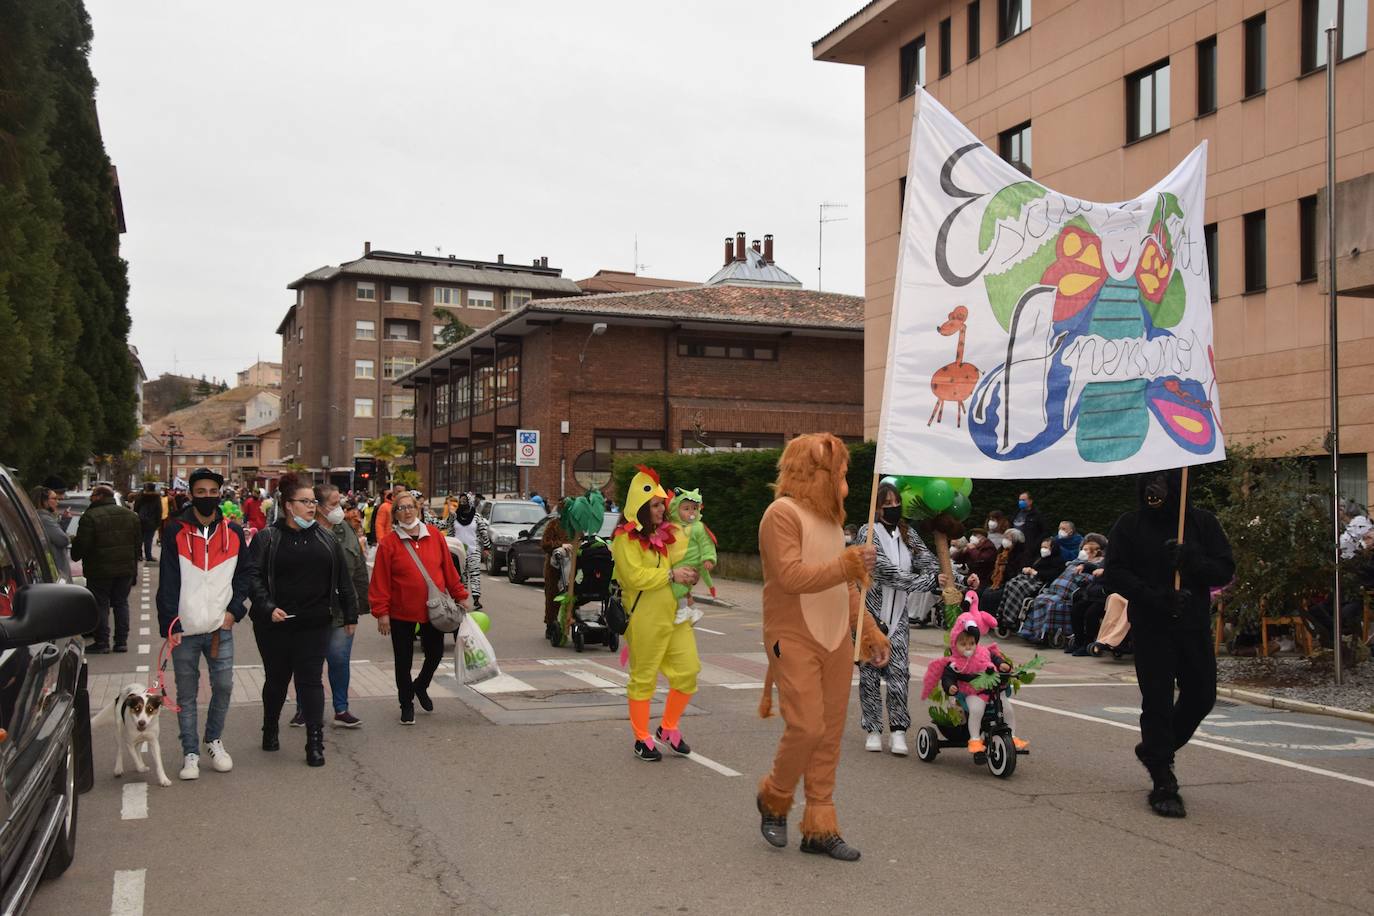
column 1332, row 33
column 821, row 220
column 173, row 440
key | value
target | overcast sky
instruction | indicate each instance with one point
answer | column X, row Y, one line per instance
column 256, row 141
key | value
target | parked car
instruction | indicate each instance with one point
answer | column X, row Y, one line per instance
column 508, row 518
column 525, row 556
column 45, row 733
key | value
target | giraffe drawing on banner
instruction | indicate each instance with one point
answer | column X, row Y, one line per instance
column 953, row 381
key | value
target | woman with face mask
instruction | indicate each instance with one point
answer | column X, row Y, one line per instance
column 903, row 566
column 300, row 587
column 399, row 597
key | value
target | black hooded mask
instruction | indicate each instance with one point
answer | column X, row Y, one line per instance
column 1158, row 493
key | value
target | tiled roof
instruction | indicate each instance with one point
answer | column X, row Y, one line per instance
column 745, row 304
column 622, row 281
column 457, row 273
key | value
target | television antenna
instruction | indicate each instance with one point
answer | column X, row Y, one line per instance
column 821, row 220
column 637, row 265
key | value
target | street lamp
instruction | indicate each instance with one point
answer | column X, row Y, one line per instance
column 597, row 330
column 174, row 438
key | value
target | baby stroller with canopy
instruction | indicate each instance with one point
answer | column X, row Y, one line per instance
column 584, row 618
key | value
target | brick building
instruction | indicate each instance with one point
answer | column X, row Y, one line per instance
column 1115, row 95
column 357, row 327
column 748, row 360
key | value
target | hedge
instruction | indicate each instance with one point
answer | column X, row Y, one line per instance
column 735, row 487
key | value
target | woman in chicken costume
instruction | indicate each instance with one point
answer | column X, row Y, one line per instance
column 646, row 551
column 811, row 606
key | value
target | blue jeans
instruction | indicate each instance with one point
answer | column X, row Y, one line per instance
column 186, row 666
column 340, row 651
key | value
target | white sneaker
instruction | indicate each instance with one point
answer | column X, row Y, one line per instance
column 695, row 614
column 190, row 767
column 899, row 744
column 219, row 756
column 874, row 742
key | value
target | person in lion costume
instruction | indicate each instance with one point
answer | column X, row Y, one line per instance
column 812, row 603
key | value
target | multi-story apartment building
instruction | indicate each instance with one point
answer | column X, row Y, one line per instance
column 261, row 374
column 357, row 327
column 1114, row 94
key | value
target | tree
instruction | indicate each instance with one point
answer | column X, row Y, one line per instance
column 452, row 330
column 407, row 477
column 386, row 449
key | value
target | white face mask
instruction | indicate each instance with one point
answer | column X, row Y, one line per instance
column 411, row 525
column 975, row 540
column 992, row 525
column 1044, row 551
column 335, row 516
column 1083, row 555
column 1064, row 532
column 966, row 653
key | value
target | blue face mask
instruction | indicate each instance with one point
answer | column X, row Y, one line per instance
column 302, row 523
column 1022, row 504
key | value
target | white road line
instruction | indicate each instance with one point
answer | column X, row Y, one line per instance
column 502, row 683
column 747, row 685
column 710, row 764
column 143, row 617
column 1037, row 685
column 701, row 629
column 135, row 807
column 1278, row 761
column 128, row 892
column 141, row 669
column 144, row 649
column 587, row 677
column 145, row 631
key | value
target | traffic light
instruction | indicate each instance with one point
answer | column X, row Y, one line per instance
column 364, row 469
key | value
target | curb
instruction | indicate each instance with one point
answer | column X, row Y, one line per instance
column 713, row 602
column 1273, row 702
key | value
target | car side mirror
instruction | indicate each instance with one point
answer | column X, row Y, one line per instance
column 46, row 611
column 525, row 533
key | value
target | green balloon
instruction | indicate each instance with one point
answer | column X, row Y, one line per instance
column 937, row 494
column 481, row 619
column 960, row 507
column 962, row 485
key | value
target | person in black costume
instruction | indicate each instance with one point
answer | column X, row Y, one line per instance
column 1171, row 626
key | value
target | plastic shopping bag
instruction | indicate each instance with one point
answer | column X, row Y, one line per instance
column 473, row 656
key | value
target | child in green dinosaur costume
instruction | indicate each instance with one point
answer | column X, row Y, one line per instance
column 685, row 512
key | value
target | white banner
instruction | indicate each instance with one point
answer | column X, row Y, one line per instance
column 1035, row 334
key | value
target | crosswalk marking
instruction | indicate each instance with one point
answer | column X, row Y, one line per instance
column 588, row 677
column 502, row 683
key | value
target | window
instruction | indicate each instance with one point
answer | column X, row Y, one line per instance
column 394, row 367
column 507, row 379
column 945, row 51
column 245, row 450
column 1207, row 76
column 1014, row 18
column 1254, row 55
column 460, row 398
column 358, row 445
column 362, row 407
column 974, row 26
column 913, row 66
column 364, row 329
column 181, row 459
column 1209, row 242
column 299, row 408
column 448, row 295
column 732, row 440
column 398, row 293
column 364, row 368
column 713, row 348
column 298, row 447
column 1307, row 238
column 481, row 299
column 367, row 289
column 507, row 474
column 1147, row 102
column 395, row 406
column 483, row 389
column 402, row 329
column 1317, row 15
column 441, row 394
column 517, row 298
column 1254, row 252
column 300, row 333
column 300, row 372
column 1015, row 146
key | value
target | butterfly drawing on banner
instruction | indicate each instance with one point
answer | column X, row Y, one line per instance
column 1104, row 283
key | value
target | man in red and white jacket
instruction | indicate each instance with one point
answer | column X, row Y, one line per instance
column 203, row 581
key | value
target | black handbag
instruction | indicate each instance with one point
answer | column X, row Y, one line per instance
column 616, row 618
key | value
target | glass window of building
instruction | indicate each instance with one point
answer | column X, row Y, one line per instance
column 1147, row 101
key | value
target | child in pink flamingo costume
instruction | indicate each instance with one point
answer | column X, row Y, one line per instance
column 970, row 658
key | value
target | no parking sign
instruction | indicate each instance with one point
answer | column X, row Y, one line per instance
column 527, row 448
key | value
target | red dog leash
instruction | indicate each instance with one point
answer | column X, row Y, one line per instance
column 163, row 654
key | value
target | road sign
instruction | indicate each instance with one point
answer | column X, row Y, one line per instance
column 527, row 448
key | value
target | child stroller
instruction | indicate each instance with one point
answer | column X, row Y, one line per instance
column 591, row 593
column 1017, row 596
column 1001, row 753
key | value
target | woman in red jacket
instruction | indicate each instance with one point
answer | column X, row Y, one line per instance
column 398, row 593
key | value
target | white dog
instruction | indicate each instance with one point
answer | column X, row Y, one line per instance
column 135, row 714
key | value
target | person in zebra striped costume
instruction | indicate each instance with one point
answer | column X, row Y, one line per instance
column 903, row 566
column 474, row 532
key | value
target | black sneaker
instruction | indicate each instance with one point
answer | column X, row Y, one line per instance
column 681, row 748
column 298, row 720
column 772, row 826
column 407, row 715
column 98, row 650
column 644, row 752
column 121, row 649
column 422, row 697
column 831, row 846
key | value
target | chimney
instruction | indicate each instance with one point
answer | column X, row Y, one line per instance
column 757, row 249
column 768, row 249
column 500, row 259
column 729, row 249
column 739, row 246
column 367, row 248
column 544, row 260
column 534, row 263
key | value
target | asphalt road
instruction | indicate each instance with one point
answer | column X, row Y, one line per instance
column 525, row 799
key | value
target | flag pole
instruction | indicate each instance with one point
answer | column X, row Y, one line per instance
column 1332, row 32
column 872, row 539
column 1182, row 512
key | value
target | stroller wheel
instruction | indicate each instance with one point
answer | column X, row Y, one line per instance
column 1057, row 639
column 927, row 744
column 1001, row 755
column 612, row 640
column 579, row 639
column 1003, row 632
